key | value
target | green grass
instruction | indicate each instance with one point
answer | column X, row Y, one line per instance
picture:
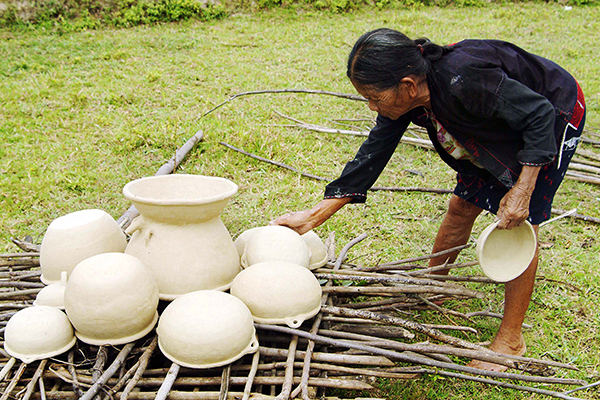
column 82, row 114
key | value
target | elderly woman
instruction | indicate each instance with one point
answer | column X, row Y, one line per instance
column 505, row 120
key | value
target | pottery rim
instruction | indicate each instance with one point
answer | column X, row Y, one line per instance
column 293, row 321
column 28, row 358
column 128, row 190
column 251, row 348
column 488, row 269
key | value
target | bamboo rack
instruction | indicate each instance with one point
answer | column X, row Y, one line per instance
column 348, row 345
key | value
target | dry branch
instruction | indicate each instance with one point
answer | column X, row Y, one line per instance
column 114, row 367
column 143, row 363
column 14, row 382
column 166, row 169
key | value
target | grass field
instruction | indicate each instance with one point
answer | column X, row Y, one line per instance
column 82, row 114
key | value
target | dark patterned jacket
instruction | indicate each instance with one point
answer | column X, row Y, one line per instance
column 507, row 107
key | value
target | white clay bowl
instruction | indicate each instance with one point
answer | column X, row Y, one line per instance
column 111, row 299
column 318, row 251
column 504, row 254
column 276, row 243
column 206, row 329
column 242, row 239
column 278, row 292
column 74, row 237
column 53, row 295
column 38, row 332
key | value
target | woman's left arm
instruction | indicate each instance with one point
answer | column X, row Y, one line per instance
column 514, row 206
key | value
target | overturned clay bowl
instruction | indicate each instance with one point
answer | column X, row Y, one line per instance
column 278, row 292
column 318, row 251
column 74, row 237
column 38, row 332
column 504, row 254
column 206, row 329
column 276, row 243
column 242, row 239
column 111, row 299
column 53, row 295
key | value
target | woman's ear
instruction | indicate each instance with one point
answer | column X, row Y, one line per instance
column 409, row 85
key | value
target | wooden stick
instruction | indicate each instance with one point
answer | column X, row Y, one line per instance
column 225, row 376
column 42, row 388
column 98, row 367
column 286, row 389
column 577, row 216
column 14, row 381
column 320, row 178
column 125, row 220
column 441, row 268
column 251, row 376
column 112, row 369
column 144, row 359
column 277, row 91
column 71, row 368
column 26, row 244
column 21, row 285
column 377, row 290
column 19, row 255
column 502, row 384
column 433, row 333
column 582, row 177
column 165, row 388
column 34, row 380
column 382, row 267
column 382, row 279
column 25, row 262
column 587, row 154
column 7, row 367
column 418, row 360
column 19, row 293
column 331, row 357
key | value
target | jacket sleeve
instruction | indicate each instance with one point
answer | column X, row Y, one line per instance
column 521, row 109
column 370, row 160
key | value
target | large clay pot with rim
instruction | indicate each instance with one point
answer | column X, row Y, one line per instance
column 179, row 234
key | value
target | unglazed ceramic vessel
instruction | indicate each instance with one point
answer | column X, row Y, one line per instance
column 206, row 329
column 179, row 234
column 38, row 332
column 74, row 237
column 278, row 292
column 111, row 298
column 318, row 251
column 275, row 243
column 53, row 295
column 504, row 254
column 242, row 239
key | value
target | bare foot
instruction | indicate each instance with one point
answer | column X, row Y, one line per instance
column 503, row 346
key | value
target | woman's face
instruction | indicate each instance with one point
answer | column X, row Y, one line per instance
column 391, row 103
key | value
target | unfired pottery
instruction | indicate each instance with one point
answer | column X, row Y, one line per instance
column 38, row 332
column 53, row 295
column 276, row 243
column 74, row 237
column 111, row 298
column 206, row 329
column 504, row 254
column 242, row 239
column 179, row 234
column 318, row 251
column 278, row 292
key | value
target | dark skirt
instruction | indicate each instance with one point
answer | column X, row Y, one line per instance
column 488, row 193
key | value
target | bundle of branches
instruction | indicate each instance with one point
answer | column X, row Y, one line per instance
column 348, row 345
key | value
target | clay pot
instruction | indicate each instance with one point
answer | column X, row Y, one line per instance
column 318, row 251
column 74, row 237
column 275, row 243
column 111, row 298
column 38, row 332
column 53, row 295
column 242, row 239
column 179, row 234
column 278, row 292
column 206, row 329
column 504, row 254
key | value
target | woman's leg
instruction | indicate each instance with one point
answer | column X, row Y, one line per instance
column 517, row 295
column 455, row 230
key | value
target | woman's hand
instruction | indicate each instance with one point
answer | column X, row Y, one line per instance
column 304, row 221
column 514, row 206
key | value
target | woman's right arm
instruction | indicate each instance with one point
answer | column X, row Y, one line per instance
column 304, row 221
